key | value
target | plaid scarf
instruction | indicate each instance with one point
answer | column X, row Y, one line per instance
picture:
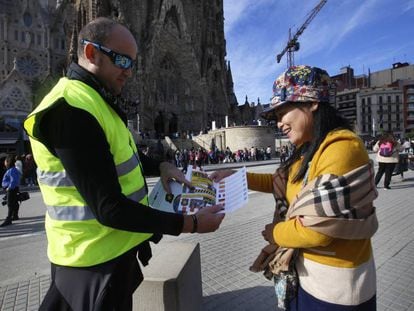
column 337, row 206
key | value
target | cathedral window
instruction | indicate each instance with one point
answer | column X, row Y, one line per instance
column 28, row 66
column 39, row 39
column 23, row 36
column 16, row 94
column 209, row 63
column 7, row 103
column 171, row 21
column 27, row 19
column 16, row 35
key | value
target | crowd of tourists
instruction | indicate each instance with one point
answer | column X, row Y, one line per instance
column 26, row 167
column 200, row 156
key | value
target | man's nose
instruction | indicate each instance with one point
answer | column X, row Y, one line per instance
column 128, row 72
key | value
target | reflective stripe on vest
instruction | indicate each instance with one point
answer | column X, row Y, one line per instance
column 60, row 179
column 84, row 212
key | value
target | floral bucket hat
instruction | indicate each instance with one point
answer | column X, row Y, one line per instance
column 299, row 84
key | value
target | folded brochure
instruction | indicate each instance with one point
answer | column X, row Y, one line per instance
column 231, row 192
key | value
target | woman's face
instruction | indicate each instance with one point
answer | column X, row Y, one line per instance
column 296, row 122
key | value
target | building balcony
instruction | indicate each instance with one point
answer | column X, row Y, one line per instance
column 346, row 101
column 386, row 111
column 409, row 126
column 346, row 108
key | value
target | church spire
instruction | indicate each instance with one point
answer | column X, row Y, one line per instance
column 230, row 86
column 230, row 83
column 246, row 102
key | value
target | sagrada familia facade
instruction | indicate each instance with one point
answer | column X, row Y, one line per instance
column 182, row 81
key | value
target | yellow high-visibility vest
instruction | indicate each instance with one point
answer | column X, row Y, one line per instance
column 75, row 237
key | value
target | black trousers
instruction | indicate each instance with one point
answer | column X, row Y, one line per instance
column 12, row 203
column 386, row 168
column 108, row 286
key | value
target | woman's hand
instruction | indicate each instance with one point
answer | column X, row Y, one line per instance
column 219, row 175
column 267, row 233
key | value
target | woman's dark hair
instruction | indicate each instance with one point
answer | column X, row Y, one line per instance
column 387, row 137
column 325, row 120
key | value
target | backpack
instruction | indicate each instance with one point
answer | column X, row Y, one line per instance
column 386, row 149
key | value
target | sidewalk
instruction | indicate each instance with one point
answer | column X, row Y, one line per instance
column 227, row 254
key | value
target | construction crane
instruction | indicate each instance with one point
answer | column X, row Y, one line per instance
column 293, row 44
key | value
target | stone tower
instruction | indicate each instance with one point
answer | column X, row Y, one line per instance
column 32, row 52
column 181, row 81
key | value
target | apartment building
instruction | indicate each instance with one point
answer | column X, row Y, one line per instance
column 380, row 109
column 398, row 71
column 381, row 101
column 346, row 104
column 407, row 87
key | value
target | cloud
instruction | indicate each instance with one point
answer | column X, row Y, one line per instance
column 409, row 6
column 361, row 16
column 252, row 47
column 253, row 73
column 238, row 11
column 234, row 11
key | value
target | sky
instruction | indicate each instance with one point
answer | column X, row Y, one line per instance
column 363, row 34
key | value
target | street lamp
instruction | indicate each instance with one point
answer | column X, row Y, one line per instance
column 373, row 127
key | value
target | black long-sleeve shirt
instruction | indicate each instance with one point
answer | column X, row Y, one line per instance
column 77, row 139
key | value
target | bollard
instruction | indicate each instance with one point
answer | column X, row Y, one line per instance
column 172, row 280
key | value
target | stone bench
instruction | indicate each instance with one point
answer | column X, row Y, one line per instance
column 172, row 280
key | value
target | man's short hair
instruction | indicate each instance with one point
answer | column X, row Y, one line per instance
column 95, row 31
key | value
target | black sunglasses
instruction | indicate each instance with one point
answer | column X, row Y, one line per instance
column 120, row 60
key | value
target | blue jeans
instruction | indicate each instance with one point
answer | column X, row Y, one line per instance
column 306, row 302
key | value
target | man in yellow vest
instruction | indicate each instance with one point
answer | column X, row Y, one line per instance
column 91, row 178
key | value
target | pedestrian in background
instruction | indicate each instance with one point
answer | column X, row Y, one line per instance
column 10, row 183
column 320, row 257
column 268, row 153
column 91, row 176
column 387, row 149
column 407, row 145
column 29, row 170
column 19, row 165
column 283, row 154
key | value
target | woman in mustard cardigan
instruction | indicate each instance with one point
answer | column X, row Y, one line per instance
column 327, row 188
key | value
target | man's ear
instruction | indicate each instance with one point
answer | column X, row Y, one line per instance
column 89, row 52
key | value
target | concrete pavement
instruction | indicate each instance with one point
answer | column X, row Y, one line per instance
column 227, row 254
